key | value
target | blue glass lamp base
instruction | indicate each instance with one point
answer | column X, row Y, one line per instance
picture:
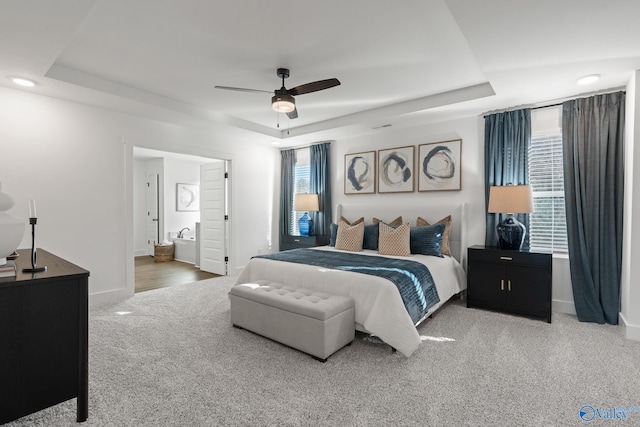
column 511, row 233
column 305, row 225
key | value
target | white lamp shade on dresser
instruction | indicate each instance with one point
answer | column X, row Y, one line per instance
column 11, row 228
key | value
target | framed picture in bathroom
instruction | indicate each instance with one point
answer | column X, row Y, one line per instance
column 187, row 197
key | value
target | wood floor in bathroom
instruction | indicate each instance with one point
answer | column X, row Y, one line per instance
column 154, row 275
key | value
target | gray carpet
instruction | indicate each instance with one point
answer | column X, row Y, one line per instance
column 175, row 360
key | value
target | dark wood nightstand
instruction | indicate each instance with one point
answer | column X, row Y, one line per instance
column 293, row 242
column 517, row 282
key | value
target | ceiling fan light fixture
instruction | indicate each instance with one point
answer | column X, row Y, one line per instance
column 283, row 103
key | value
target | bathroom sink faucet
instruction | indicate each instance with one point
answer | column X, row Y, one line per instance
column 180, row 232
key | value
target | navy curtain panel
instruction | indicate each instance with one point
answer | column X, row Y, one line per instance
column 593, row 150
column 507, row 137
column 320, row 184
column 287, row 166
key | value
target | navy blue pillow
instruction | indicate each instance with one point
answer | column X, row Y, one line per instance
column 426, row 240
column 371, row 237
column 334, row 233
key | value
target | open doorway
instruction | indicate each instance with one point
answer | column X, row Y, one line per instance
column 176, row 220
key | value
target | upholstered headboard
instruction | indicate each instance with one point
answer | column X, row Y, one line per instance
column 410, row 213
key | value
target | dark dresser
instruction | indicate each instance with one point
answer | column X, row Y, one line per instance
column 43, row 337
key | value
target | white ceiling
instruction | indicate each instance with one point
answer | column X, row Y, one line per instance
column 400, row 63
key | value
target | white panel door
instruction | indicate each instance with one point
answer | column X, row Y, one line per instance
column 212, row 222
column 152, row 213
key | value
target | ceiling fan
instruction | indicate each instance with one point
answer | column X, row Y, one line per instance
column 283, row 100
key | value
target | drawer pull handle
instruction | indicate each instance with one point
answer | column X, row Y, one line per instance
column 506, row 258
column 502, row 285
column 509, row 283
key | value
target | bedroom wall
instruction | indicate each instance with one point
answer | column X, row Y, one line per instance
column 630, row 290
column 471, row 131
column 76, row 162
column 472, row 168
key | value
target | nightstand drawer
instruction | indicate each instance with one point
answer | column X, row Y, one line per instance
column 292, row 242
column 531, row 259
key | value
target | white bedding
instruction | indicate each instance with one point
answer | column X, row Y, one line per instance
column 378, row 306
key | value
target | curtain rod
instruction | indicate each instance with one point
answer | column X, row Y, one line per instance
column 555, row 102
column 295, row 147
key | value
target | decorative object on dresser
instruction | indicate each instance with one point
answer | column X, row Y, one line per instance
column 306, row 203
column 8, row 269
column 510, row 199
column 395, row 170
column 439, row 166
column 517, row 282
column 43, row 338
column 11, row 228
column 360, row 173
column 288, row 242
column 33, row 220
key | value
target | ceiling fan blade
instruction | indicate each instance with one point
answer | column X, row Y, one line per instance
column 241, row 89
column 314, row 86
column 293, row 114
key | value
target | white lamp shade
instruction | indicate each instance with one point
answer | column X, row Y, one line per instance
column 510, row 199
column 11, row 228
column 306, row 202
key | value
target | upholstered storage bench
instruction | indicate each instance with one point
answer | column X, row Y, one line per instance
column 313, row 322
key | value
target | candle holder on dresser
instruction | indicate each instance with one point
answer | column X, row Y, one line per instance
column 34, row 255
column 33, row 220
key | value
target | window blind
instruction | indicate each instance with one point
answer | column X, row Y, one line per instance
column 301, row 180
column 547, row 226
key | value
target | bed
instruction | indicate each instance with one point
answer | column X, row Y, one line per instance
column 379, row 307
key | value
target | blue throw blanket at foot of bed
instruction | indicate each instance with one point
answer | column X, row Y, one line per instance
column 413, row 280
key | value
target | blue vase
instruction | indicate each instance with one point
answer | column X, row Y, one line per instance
column 511, row 234
column 305, row 225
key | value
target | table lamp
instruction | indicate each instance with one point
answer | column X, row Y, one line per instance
column 510, row 199
column 307, row 203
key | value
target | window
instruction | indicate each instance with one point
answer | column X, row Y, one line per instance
column 547, row 224
column 301, row 180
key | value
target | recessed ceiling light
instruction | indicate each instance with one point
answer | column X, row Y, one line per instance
column 23, row 82
column 591, row 78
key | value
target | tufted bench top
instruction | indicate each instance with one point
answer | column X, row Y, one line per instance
column 306, row 302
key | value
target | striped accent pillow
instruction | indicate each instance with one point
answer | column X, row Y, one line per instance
column 444, row 245
column 350, row 237
column 394, row 241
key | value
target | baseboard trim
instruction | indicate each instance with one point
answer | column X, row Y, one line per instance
column 631, row 332
column 110, row 296
column 566, row 307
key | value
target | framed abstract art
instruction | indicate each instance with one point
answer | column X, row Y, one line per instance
column 187, row 197
column 395, row 170
column 360, row 173
column 439, row 166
